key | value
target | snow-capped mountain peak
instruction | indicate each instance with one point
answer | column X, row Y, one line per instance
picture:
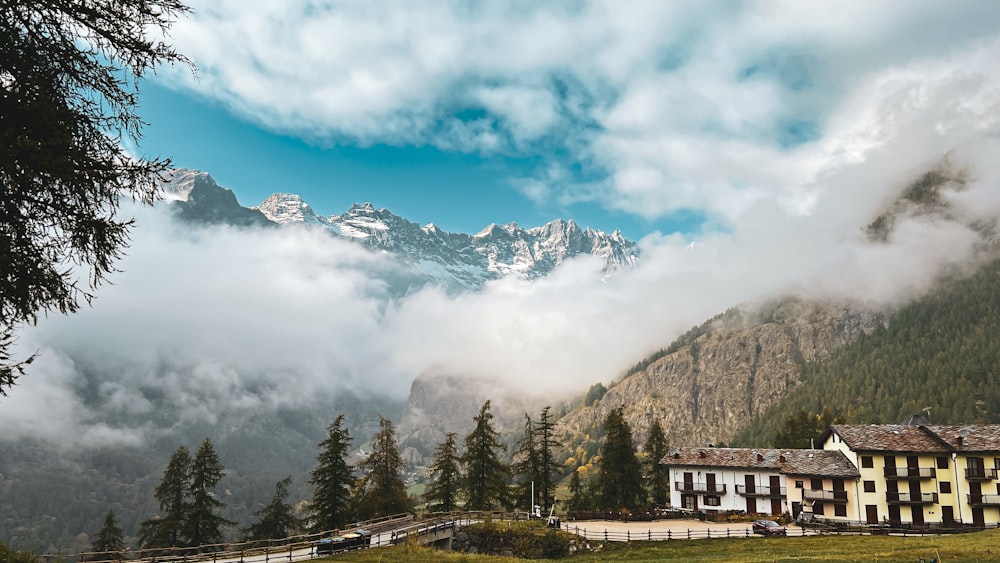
column 455, row 260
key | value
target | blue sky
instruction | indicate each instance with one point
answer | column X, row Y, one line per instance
column 459, row 192
column 649, row 116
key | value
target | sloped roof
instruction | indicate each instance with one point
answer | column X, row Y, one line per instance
column 888, row 438
column 969, row 437
column 827, row 463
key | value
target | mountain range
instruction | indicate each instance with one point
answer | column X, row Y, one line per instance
column 457, row 261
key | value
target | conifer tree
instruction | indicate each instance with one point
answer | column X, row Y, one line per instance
column 109, row 545
column 382, row 489
column 446, row 475
column 173, row 495
column 576, row 492
column 549, row 468
column 486, row 477
column 657, row 475
column 619, row 483
column 277, row 519
column 333, row 479
column 202, row 524
column 526, row 468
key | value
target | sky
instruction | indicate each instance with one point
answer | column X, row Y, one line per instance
column 745, row 145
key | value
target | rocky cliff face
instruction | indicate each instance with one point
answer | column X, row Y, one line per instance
column 438, row 404
column 725, row 372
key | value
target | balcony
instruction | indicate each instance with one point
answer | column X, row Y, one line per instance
column 911, row 498
column 761, row 491
column 980, row 473
column 704, row 488
column 983, row 500
column 824, row 496
column 910, row 472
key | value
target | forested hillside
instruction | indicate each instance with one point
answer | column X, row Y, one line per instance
column 940, row 352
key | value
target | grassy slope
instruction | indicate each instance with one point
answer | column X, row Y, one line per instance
column 982, row 546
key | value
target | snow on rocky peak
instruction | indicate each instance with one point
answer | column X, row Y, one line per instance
column 289, row 208
column 454, row 260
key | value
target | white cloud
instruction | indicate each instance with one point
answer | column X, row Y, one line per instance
column 677, row 108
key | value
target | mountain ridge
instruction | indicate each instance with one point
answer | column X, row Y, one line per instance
column 457, row 261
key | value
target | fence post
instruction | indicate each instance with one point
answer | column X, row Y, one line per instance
column 709, row 533
column 649, row 535
column 605, row 534
column 628, row 535
column 267, row 553
column 689, row 533
column 290, row 548
column 727, row 532
column 669, row 535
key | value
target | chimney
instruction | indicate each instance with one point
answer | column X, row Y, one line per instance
column 959, row 440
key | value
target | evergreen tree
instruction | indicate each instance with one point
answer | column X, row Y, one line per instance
column 577, row 493
column 110, row 542
column 202, row 525
column 549, row 468
column 486, row 477
column 382, row 489
column 803, row 429
column 527, row 466
column 333, row 479
column 619, row 483
column 657, row 476
column 277, row 519
column 69, row 91
column 172, row 494
column 442, row 492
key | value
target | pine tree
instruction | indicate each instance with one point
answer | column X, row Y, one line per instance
column 333, row 479
column 277, row 519
column 70, row 79
column 442, row 492
column 382, row 489
column 486, row 477
column 527, row 466
column 172, row 494
column 619, row 483
column 110, row 542
column 549, row 468
column 577, row 493
column 657, row 476
column 202, row 525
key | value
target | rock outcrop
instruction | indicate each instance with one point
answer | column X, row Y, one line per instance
column 713, row 381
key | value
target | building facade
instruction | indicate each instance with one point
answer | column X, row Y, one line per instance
column 923, row 474
column 761, row 481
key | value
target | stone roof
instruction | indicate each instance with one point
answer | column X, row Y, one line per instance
column 976, row 438
column 793, row 462
column 888, row 438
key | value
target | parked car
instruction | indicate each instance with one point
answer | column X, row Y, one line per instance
column 768, row 528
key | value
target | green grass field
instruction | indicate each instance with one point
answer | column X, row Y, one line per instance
column 981, row 546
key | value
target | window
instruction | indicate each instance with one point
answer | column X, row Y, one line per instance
column 798, row 484
column 942, row 463
column 840, row 510
column 819, row 509
column 866, row 461
column 945, row 487
column 711, row 500
column 869, row 486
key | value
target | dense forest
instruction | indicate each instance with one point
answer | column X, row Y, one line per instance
column 939, row 356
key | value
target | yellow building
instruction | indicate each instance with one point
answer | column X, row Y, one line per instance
column 923, row 475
